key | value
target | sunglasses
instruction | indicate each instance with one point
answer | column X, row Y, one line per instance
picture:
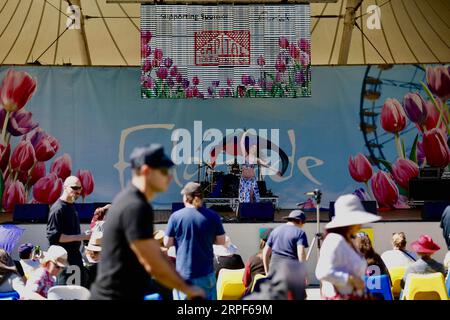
column 75, row 188
column 361, row 234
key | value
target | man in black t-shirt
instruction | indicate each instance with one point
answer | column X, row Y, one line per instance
column 129, row 251
column 63, row 228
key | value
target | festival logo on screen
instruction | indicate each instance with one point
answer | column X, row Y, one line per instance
column 214, row 48
column 225, row 51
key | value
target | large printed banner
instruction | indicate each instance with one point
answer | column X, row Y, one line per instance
column 225, row 51
column 367, row 129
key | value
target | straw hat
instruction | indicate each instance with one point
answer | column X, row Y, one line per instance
column 349, row 211
column 95, row 242
column 56, row 254
column 228, row 249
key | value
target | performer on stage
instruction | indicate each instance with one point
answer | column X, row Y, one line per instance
column 248, row 186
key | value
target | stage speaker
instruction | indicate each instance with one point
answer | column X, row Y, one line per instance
column 35, row 213
column 85, row 211
column 369, row 206
column 256, row 211
column 432, row 211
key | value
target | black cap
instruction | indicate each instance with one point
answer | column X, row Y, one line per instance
column 192, row 188
column 296, row 215
column 151, row 155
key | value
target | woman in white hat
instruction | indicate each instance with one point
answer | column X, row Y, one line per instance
column 341, row 268
column 226, row 257
column 54, row 261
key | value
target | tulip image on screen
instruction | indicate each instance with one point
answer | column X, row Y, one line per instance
column 255, row 51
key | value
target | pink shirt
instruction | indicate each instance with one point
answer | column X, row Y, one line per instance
column 40, row 281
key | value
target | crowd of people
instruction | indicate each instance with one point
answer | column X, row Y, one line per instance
column 125, row 258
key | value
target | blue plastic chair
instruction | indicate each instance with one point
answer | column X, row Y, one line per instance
column 382, row 286
column 447, row 284
column 153, row 296
column 10, row 295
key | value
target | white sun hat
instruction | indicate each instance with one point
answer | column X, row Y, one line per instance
column 228, row 249
column 349, row 211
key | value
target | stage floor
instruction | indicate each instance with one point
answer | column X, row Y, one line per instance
column 161, row 216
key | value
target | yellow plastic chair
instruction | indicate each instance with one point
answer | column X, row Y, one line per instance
column 230, row 285
column 258, row 276
column 369, row 232
column 396, row 274
column 425, row 287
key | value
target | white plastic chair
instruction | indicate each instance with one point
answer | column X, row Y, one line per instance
column 71, row 292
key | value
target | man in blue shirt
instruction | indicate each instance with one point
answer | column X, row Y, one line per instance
column 193, row 230
column 287, row 241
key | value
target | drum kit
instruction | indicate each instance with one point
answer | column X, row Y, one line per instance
column 219, row 184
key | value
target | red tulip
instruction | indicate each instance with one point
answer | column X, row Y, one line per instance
column 433, row 115
column 16, row 89
column 384, row 189
column 403, row 170
column 261, row 61
column 47, row 189
column 4, row 156
column 435, row 148
column 438, row 80
column 294, row 51
column 87, row 182
column 31, row 178
column 393, row 118
column 23, row 157
column 62, row 166
column 360, row 168
column 283, row 42
column 13, row 194
column 46, row 147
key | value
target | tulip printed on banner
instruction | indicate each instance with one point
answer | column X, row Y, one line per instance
column 62, row 166
column 48, row 189
column 384, row 189
column 431, row 117
column 87, row 182
column 23, row 162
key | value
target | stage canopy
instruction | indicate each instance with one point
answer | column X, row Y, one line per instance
column 413, row 31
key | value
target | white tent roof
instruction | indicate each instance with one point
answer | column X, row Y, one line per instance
column 413, row 31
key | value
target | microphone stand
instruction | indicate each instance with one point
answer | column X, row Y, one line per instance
column 318, row 236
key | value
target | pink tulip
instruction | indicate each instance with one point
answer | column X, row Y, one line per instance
column 280, row 65
column 47, row 189
column 62, row 166
column 435, row 148
column 283, row 42
column 87, row 182
column 23, row 157
column 384, row 189
column 4, row 156
column 261, row 61
column 403, row 170
column 46, row 148
column 13, row 194
column 433, row 115
column 360, row 168
column 393, row 118
column 31, row 178
column 16, row 89
column 438, row 80
column 158, row 54
column 162, row 73
column 294, row 51
column 305, row 45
